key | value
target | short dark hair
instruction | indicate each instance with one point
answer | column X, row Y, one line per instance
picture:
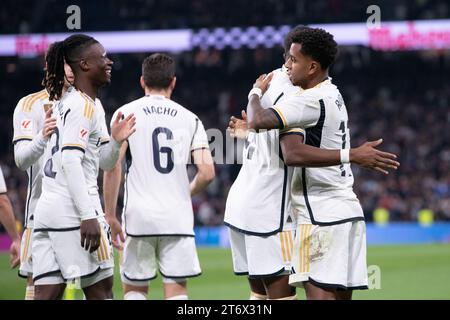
column 316, row 43
column 288, row 38
column 158, row 70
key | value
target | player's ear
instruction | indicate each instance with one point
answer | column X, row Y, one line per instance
column 313, row 67
column 173, row 83
column 141, row 80
column 83, row 64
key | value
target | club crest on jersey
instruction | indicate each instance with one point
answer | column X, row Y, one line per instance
column 27, row 125
column 83, row 134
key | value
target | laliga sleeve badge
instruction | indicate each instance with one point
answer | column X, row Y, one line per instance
column 27, row 126
column 83, row 134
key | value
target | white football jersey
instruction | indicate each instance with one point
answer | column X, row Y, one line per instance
column 80, row 125
column 157, row 196
column 3, row 188
column 323, row 195
column 259, row 197
column 28, row 120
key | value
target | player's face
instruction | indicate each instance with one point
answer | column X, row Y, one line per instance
column 69, row 79
column 299, row 65
column 286, row 57
column 100, row 64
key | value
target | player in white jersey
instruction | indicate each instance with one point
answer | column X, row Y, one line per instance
column 157, row 215
column 260, row 227
column 71, row 239
column 329, row 257
column 8, row 221
column 256, row 193
column 33, row 125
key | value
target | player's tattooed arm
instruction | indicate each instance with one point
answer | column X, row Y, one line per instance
column 257, row 116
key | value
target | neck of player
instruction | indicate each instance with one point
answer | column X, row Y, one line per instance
column 318, row 78
column 160, row 92
column 86, row 87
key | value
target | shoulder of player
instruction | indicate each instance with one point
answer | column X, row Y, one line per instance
column 29, row 102
column 319, row 92
column 129, row 107
column 186, row 112
column 79, row 103
column 99, row 105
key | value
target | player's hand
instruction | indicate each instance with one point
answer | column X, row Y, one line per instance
column 238, row 127
column 117, row 235
column 368, row 157
column 121, row 129
column 49, row 124
column 14, row 253
column 90, row 234
column 263, row 82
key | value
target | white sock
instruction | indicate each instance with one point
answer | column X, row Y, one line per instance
column 29, row 293
column 257, row 296
column 179, row 297
column 135, row 295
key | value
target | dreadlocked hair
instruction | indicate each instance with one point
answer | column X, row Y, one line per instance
column 68, row 50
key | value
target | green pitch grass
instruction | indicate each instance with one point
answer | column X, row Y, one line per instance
column 407, row 272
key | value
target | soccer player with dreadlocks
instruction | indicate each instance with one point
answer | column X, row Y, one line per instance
column 71, row 239
column 33, row 125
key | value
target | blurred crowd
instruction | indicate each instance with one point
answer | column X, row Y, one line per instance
column 402, row 97
column 26, row 16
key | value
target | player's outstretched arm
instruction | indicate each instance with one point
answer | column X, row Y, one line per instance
column 205, row 170
column 111, row 186
column 27, row 152
column 8, row 220
column 298, row 154
column 121, row 130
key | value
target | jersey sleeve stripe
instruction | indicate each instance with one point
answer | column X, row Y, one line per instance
column 22, row 138
column 30, row 100
column 73, row 147
column 292, row 130
column 282, row 134
column 91, row 110
column 88, row 108
column 85, row 108
column 283, row 118
column 33, row 99
column 200, row 147
column 279, row 115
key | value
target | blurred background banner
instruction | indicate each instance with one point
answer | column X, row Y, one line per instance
column 391, row 234
column 401, row 35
